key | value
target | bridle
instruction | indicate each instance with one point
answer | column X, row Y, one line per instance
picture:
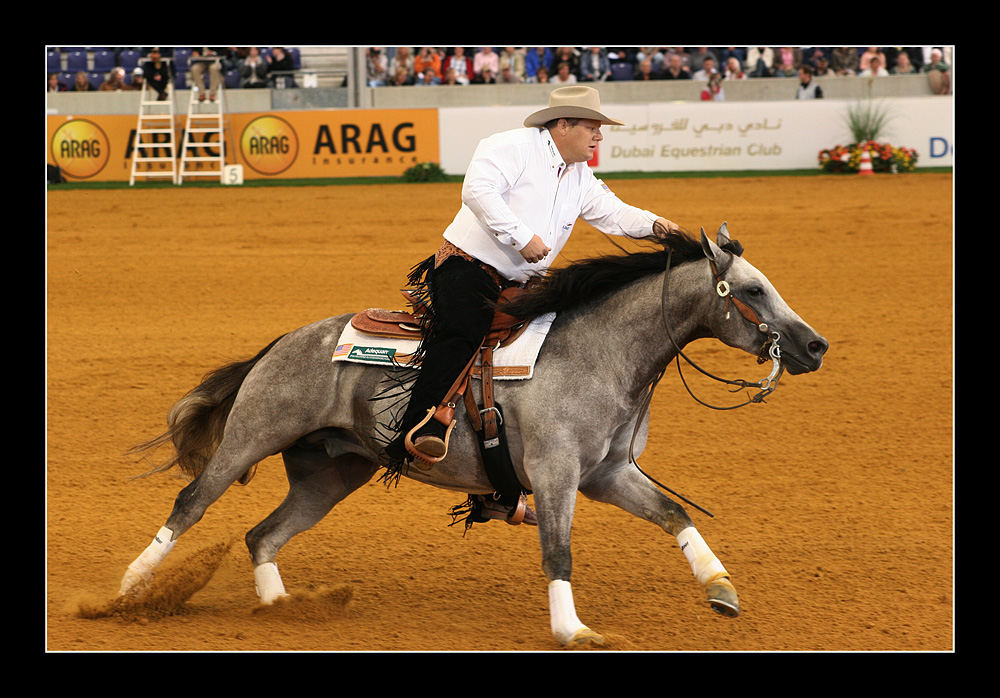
column 769, row 350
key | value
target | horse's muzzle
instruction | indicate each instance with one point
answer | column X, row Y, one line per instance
column 804, row 356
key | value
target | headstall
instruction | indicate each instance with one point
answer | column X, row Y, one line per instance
column 768, row 350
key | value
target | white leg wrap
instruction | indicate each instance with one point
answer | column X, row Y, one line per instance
column 704, row 563
column 142, row 567
column 268, row 582
column 562, row 611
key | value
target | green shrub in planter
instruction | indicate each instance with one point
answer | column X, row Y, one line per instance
column 425, row 172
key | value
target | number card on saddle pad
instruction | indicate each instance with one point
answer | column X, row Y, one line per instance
column 515, row 361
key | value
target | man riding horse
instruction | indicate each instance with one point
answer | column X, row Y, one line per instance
column 523, row 192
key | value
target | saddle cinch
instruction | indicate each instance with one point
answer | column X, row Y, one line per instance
column 487, row 418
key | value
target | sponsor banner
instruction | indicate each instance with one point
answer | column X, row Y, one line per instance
column 763, row 135
column 90, row 148
column 290, row 144
column 720, row 136
column 335, row 143
column 659, row 137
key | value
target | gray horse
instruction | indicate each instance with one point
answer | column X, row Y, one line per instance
column 576, row 425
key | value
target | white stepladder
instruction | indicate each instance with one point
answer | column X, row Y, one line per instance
column 205, row 118
column 156, row 118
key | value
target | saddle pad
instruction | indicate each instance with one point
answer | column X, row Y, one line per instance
column 513, row 362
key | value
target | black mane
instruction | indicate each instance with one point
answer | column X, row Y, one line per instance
column 589, row 279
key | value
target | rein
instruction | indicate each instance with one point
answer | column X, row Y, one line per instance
column 769, row 350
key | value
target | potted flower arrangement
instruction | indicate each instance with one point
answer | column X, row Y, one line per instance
column 884, row 157
column 867, row 123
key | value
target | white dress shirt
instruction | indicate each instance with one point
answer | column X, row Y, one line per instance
column 518, row 186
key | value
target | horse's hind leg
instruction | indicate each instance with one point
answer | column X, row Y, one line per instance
column 225, row 467
column 317, row 482
column 626, row 487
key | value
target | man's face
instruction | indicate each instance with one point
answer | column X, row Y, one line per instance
column 577, row 143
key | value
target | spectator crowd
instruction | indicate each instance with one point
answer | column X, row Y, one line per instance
column 251, row 67
column 433, row 65
column 124, row 68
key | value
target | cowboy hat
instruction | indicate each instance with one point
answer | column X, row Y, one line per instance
column 574, row 102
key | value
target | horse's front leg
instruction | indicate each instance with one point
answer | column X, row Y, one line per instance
column 624, row 486
column 555, row 499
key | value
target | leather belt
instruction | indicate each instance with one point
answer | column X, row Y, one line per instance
column 448, row 249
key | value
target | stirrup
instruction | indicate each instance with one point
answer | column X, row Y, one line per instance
column 517, row 513
column 437, row 448
column 490, row 508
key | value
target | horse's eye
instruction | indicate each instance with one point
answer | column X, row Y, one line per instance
column 755, row 291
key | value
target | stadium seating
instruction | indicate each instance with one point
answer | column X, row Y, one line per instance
column 621, row 71
column 129, row 59
column 182, row 59
column 76, row 61
column 104, row 61
column 329, row 63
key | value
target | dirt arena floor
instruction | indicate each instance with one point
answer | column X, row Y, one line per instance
column 833, row 502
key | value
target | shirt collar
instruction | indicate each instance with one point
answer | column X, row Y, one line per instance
column 556, row 160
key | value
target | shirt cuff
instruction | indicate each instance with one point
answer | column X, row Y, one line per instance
column 518, row 237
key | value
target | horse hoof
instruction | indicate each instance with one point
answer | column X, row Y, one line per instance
column 584, row 637
column 271, row 600
column 722, row 597
column 134, row 583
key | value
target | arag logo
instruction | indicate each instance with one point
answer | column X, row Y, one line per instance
column 80, row 148
column 269, row 145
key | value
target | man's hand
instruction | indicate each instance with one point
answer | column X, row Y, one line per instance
column 535, row 250
column 661, row 227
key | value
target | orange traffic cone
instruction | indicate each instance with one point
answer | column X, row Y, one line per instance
column 866, row 163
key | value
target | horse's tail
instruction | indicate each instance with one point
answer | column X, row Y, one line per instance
column 196, row 422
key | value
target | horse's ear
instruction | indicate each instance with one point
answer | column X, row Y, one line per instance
column 725, row 243
column 723, row 235
column 712, row 251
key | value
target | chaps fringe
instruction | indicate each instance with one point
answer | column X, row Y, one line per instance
column 397, row 380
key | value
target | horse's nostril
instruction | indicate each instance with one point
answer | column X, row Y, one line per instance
column 818, row 346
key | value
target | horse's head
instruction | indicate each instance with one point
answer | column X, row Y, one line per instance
column 752, row 313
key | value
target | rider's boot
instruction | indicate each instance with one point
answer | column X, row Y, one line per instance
column 428, row 440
